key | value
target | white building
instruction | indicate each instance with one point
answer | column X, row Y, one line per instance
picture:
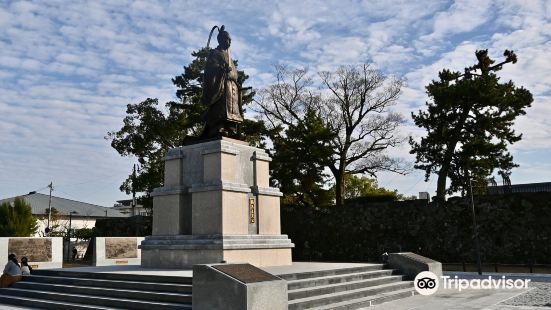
column 130, row 209
column 84, row 214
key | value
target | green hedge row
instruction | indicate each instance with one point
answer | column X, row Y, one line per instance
column 134, row 226
column 513, row 228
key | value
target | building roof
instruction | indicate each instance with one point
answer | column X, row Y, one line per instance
column 520, row 188
column 39, row 204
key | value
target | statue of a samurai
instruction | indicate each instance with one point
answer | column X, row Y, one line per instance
column 221, row 92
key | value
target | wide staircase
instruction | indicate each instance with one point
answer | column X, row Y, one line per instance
column 347, row 288
column 85, row 290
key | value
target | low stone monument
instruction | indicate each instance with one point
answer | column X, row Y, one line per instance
column 216, row 204
column 410, row 264
column 237, row 286
column 42, row 253
column 116, row 251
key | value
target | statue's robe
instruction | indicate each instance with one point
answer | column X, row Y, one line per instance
column 221, row 94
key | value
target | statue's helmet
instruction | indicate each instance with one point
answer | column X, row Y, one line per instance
column 222, row 34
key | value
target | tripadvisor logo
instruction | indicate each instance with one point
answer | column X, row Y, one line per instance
column 426, row 283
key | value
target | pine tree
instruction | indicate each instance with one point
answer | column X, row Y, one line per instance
column 469, row 123
column 17, row 220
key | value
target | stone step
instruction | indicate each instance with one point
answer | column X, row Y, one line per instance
column 217, row 243
column 34, row 303
column 327, row 299
column 341, row 287
column 113, row 276
column 296, row 284
column 214, row 237
column 94, row 300
column 106, row 292
column 368, row 301
column 330, row 272
column 116, row 284
column 234, row 244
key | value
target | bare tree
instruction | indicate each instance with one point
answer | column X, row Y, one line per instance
column 354, row 102
column 285, row 103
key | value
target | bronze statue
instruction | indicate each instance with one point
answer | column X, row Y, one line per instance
column 222, row 94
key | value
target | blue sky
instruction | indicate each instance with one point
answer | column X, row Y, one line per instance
column 68, row 69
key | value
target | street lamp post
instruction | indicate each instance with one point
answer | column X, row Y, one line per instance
column 69, row 234
column 48, row 229
column 475, row 231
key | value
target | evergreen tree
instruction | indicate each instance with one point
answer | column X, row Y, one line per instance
column 297, row 165
column 469, row 123
column 17, row 220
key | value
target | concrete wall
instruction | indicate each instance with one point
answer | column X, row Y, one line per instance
column 30, row 249
column 117, row 251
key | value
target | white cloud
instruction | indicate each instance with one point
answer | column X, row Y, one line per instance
column 67, row 70
column 461, row 17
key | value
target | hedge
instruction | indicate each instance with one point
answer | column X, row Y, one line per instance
column 513, row 229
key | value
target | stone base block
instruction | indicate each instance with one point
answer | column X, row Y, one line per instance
column 260, row 257
column 184, row 251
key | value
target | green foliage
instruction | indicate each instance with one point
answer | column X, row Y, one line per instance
column 83, row 234
column 147, row 134
column 150, row 129
column 298, row 161
column 513, row 229
column 17, row 220
column 134, row 226
column 469, row 123
column 368, row 187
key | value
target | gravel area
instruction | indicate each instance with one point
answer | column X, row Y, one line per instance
column 539, row 295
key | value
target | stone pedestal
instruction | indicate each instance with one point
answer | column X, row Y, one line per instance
column 216, row 205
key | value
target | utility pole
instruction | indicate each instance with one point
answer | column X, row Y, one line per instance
column 51, row 186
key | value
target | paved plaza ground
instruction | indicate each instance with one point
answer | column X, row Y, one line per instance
column 446, row 299
column 537, row 296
